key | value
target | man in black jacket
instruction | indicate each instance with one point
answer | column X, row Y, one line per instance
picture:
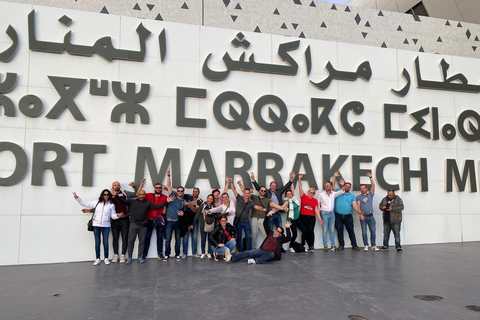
column 271, row 248
column 276, row 195
column 138, row 221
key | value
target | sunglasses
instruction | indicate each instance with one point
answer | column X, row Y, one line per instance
column 179, row 190
column 106, row 194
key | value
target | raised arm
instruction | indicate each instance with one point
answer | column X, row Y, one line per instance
column 131, row 194
column 372, row 188
column 300, row 176
column 234, row 189
column 227, row 182
column 288, row 184
column 254, row 182
column 140, row 188
column 239, row 182
column 169, row 182
column 334, row 179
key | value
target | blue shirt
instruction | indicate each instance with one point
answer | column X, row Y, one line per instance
column 173, row 207
column 343, row 203
column 366, row 202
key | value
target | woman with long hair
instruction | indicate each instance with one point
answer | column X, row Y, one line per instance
column 202, row 215
column 104, row 210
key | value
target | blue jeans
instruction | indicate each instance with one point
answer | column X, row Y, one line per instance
column 244, row 225
column 158, row 226
column 276, row 219
column 104, row 231
column 346, row 220
column 372, row 225
column 194, row 233
column 203, row 239
column 259, row 255
column 387, row 228
column 328, row 227
column 230, row 245
column 169, row 228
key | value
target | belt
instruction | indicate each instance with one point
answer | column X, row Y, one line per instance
column 170, row 219
column 368, row 215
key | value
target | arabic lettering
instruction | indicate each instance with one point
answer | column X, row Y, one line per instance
column 363, row 71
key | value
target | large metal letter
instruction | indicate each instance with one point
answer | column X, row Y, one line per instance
column 39, row 165
column 89, row 151
column 20, row 163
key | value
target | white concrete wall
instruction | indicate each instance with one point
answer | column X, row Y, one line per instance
column 42, row 224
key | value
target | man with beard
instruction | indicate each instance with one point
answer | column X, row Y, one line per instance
column 343, row 216
column 138, row 221
column 392, row 207
column 187, row 223
column 155, row 219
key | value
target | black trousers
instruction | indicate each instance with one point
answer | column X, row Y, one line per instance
column 120, row 226
column 309, row 223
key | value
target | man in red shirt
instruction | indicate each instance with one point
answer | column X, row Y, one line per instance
column 271, row 248
column 155, row 219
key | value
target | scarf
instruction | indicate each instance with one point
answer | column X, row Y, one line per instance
column 291, row 210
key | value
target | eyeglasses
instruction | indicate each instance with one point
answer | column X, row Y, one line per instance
column 263, row 190
column 179, row 190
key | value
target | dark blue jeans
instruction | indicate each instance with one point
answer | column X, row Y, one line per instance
column 244, row 225
column 158, row 226
column 346, row 220
column 194, row 233
column 170, row 227
column 259, row 255
column 104, row 232
column 276, row 219
column 387, row 228
column 203, row 239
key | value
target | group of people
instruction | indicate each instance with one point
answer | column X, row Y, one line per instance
column 222, row 221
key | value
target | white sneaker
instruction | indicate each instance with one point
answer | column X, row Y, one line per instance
column 366, row 248
column 107, row 262
column 97, row 262
column 375, row 249
column 291, row 250
column 209, row 256
column 228, row 255
column 122, row 258
column 202, row 256
column 115, row 258
column 251, row 261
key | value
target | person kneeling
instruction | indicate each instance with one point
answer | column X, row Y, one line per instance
column 271, row 248
column 222, row 239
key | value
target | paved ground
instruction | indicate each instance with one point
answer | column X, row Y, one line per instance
column 318, row 285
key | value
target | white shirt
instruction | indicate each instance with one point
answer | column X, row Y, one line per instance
column 230, row 211
column 327, row 202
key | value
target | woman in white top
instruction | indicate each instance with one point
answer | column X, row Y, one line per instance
column 226, row 208
column 104, row 211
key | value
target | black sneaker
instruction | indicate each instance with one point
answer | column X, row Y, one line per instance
column 356, row 248
column 384, row 248
column 340, row 248
column 399, row 250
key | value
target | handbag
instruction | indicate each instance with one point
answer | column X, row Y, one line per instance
column 90, row 222
column 209, row 222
